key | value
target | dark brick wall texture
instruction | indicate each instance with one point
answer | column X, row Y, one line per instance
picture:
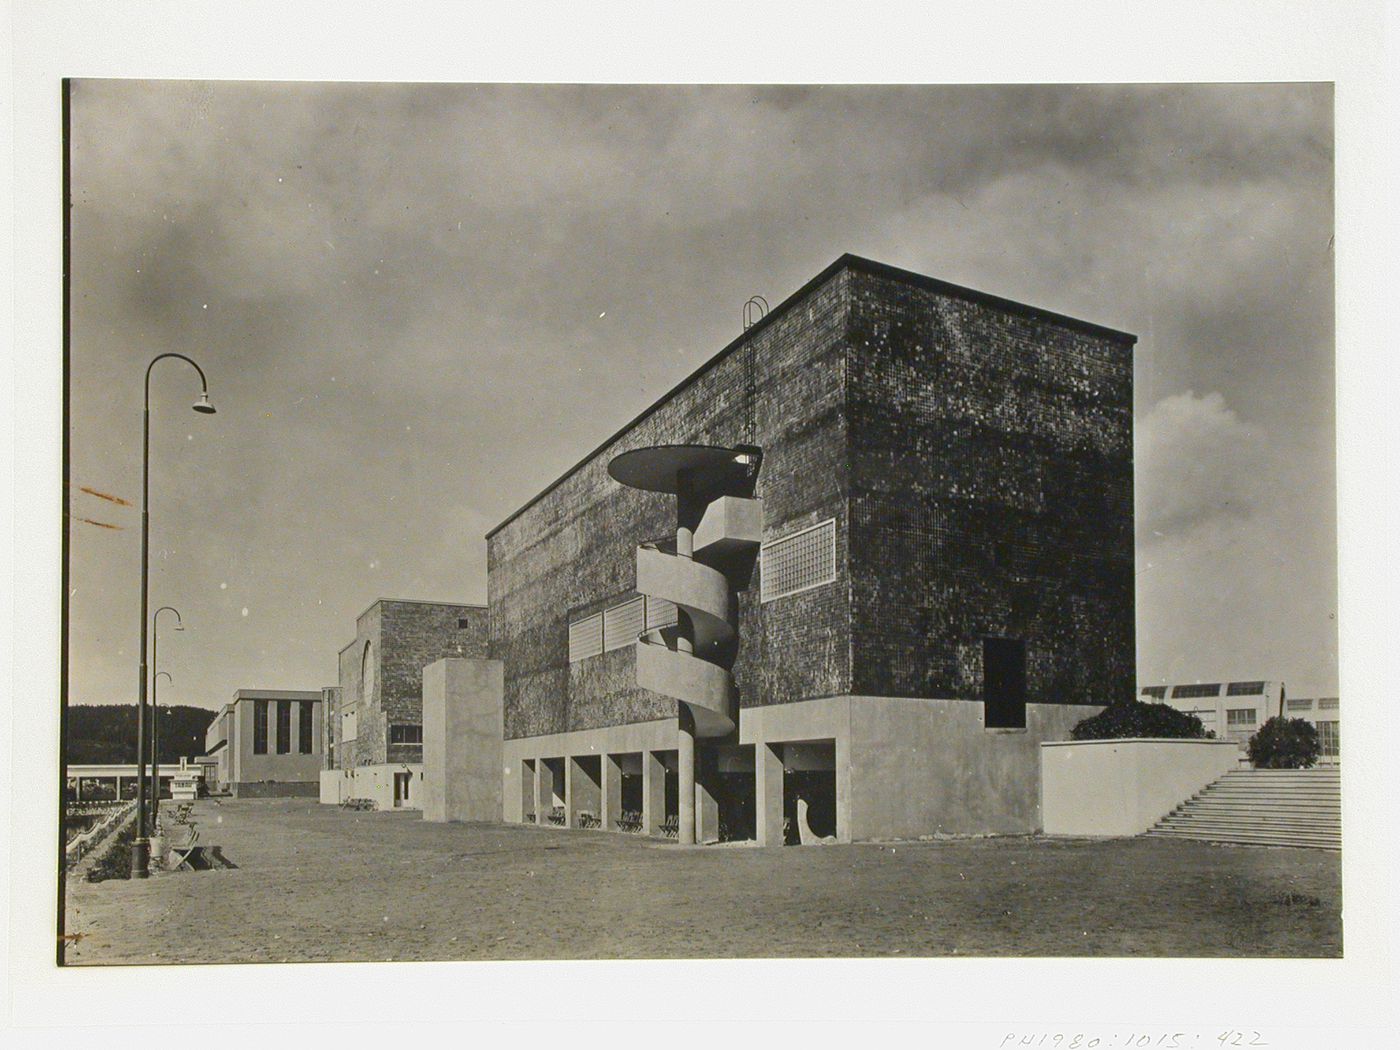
column 977, row 459
column 404, row 637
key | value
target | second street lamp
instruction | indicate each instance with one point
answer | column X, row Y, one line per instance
column 141, row 846
column 155, row 745
column 155, row 707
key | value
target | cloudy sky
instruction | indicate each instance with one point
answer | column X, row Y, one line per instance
column 419, row 304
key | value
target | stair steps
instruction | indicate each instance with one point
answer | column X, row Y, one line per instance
column 1262, row 807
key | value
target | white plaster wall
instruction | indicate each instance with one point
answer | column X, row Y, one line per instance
column 336, row 786
column 1123, row 787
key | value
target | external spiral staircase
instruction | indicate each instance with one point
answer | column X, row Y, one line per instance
column 718, row 523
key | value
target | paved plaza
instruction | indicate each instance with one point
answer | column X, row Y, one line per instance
column 318, row 883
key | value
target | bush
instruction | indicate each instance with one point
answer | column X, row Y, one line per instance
column 1135, row 718
column 1285, row 743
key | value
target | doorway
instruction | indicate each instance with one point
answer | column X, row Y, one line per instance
column 1004, row 683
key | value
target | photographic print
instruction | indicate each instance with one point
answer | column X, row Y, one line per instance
column 519, row 521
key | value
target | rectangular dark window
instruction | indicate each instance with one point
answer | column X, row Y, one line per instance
column 405, row 734
column 304, row 741
column 1004, row 683
column 284, row 727
column 259, row 727
column 463, row 623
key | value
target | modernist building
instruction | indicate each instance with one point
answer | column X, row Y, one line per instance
column 375, row 731
column 1236, row 710
column 267, row 742
column 842, row 580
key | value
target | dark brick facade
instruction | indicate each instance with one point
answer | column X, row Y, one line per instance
column 991, row 468
column 396, row 640
column 978, row 453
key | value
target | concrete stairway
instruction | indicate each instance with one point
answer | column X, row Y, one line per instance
column 1263, row 807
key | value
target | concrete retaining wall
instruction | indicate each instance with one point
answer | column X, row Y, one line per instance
column 1123, row 787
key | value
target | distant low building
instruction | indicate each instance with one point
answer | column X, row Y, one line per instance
column 1236, row 710
column 267, row 742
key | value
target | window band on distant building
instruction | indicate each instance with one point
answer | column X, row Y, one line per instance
column 1187, row 691
column 1158, row 691
column 798, row 562
column 1244, row 689
column 1240, row 716
column 1328, row 703
column 1299, row 705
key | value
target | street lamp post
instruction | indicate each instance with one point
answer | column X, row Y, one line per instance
column 141, row 846
column 155, row 707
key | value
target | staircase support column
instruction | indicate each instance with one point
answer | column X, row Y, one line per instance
column 685, row 756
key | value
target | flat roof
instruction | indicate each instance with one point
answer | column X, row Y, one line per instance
column 276, row 694
column 845, row 262
column 417, row 601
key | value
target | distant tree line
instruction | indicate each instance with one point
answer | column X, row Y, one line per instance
column 107, row 732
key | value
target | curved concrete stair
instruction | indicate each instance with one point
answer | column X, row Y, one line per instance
column 1262, row 807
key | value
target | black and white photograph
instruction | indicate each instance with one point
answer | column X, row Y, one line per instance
column 554, row 520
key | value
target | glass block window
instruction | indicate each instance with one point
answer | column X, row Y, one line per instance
column 1329, row 735
column 586, row 638
column 1240, row 716
column 799, row 562
column 1184, row 691
column 1158, row 691
column 1299, row 705
column 1329, row 703
column 1245, row 689
column 623, row 623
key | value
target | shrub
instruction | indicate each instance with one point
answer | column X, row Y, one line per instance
column 1135, row 718
column 1285, row 743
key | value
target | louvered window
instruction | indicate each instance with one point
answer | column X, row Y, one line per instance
column 586, row 638
column 1329, row 703
column 659, row 613
column 799, row 562
column 1299, row 705
column 623, row 623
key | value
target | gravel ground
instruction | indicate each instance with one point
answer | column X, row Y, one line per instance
column 317, row 883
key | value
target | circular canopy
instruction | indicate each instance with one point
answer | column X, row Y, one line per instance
column 654, row 469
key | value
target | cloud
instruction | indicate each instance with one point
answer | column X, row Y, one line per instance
column 1198, row 463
